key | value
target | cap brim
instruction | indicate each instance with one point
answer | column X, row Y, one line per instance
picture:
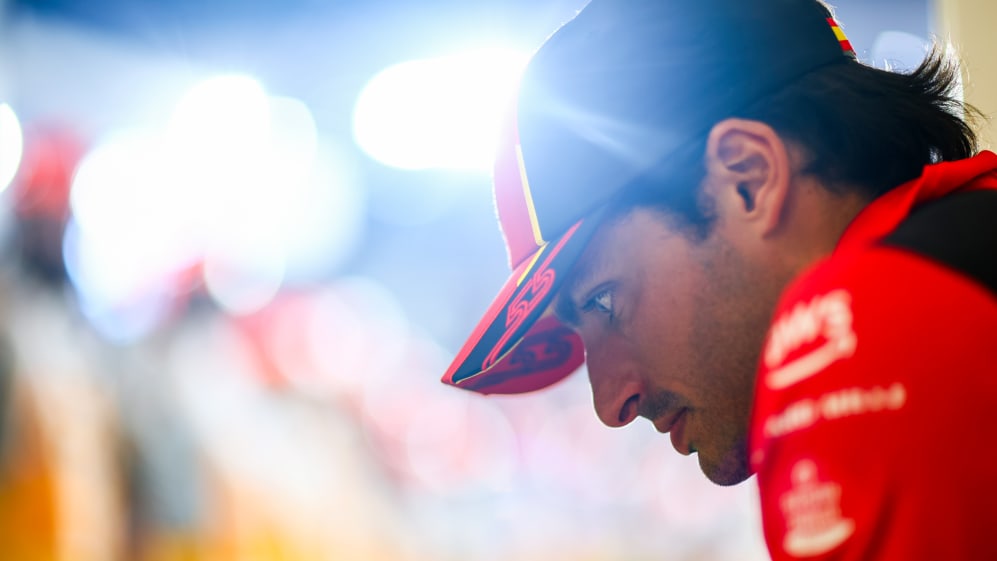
column 519, row 346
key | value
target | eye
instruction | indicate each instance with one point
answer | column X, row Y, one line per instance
column 602, row 302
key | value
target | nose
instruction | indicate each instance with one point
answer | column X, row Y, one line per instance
column 616, row 386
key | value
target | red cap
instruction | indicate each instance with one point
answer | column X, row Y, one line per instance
column 519, row 346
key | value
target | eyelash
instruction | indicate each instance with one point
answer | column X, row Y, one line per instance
column 593, row 303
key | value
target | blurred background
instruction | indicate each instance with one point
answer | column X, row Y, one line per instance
column 241, row 241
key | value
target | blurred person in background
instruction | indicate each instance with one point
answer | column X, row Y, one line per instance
column 61, row 493
column 777, row 254
column 169, row 448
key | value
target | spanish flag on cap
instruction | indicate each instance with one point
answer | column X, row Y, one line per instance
column 846, row 45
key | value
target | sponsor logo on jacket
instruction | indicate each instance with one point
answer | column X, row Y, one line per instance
column 809, row 338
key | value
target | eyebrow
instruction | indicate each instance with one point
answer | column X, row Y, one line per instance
column 564, row 309
column 564, row 303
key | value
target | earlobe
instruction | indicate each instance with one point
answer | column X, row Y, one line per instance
column 749, row 171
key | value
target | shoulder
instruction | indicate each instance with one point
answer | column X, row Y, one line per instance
column 958, row 232
column 929, row 287
column 873, row 355
column 944, row 253
column 911, row 312
column 901, row 317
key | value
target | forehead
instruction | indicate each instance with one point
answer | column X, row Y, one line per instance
column 623, row 245
column 603, row 245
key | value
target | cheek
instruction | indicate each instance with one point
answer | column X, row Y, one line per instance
column 608, row 354
column 663, row 335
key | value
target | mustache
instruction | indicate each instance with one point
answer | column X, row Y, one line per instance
column 657, row 405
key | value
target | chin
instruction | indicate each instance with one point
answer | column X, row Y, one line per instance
column 731, row 469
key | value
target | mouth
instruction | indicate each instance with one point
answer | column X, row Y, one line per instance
column 675, row 424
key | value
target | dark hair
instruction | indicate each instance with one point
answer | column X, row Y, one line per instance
column 873, row 129
column 864, row 128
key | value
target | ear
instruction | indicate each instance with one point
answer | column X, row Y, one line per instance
column 749, row 172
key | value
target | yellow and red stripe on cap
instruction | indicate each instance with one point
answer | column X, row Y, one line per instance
column 846, row 45
column 514, row 201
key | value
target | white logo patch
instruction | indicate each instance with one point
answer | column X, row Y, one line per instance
column 827, row 317
column 831, row 406
column 812, row 509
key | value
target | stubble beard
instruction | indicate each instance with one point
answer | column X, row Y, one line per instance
column 746, row 296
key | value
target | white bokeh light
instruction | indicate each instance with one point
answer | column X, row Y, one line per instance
column 239, row 183
column 217, row 143
column 122, row 308
column 11, row 145
column 127, row 236
column 221, row 120
column 442, row 112
column 131, row 221
column 243, row 279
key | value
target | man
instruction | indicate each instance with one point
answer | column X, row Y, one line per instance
column 785, row 259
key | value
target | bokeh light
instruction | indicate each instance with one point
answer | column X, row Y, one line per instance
column 127, row 237
column 441, row 112
column 238, row 185
column 11, row 144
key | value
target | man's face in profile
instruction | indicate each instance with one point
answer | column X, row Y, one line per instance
column 672, row 328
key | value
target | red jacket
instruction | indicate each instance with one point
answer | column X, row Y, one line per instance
column 874, row 432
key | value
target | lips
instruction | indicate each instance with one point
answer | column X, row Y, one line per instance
column 676, row 426
column 678, row 434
